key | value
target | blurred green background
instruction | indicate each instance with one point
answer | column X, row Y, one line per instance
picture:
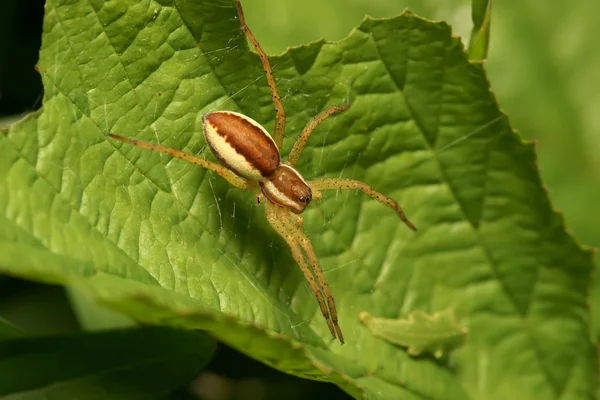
column 543, row 65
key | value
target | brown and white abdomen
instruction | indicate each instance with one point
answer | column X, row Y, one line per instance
column 241, row 144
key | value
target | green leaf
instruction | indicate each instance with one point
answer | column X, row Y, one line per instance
column 93, row 316
column 8, row 330
column 480, row 35
column 165, row 242
column 547, row 57
column 420, row 332
column 129, row 364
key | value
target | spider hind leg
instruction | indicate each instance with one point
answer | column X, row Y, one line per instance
column 222, row 171
column 266, row 65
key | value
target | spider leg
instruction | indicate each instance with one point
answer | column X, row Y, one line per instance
column 299, row 220
column 259, row 198
column 278, row 219
column 314, row 262
column 312, row 124
column 345, row 184
column 226, row 173
column 279, row 110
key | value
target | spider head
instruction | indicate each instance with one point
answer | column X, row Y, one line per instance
column 286, row 188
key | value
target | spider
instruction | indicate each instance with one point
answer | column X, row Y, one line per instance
column 250, row 160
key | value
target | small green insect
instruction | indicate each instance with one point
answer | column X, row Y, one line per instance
column 420, row 332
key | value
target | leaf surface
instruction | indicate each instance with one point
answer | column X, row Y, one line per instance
column 165, row 242
column 8, row 330
column 128, row 364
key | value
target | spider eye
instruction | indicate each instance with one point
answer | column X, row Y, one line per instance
column 304, row 199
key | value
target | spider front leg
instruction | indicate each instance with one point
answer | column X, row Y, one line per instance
column 224, row 172
column 299, row 220
column 345, row 184
column 264, row 59
column 305, row 134
column 278, row 217
column 260, row 198
column 314, row 262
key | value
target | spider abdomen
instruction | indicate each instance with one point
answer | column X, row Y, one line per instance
column 241, row 144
